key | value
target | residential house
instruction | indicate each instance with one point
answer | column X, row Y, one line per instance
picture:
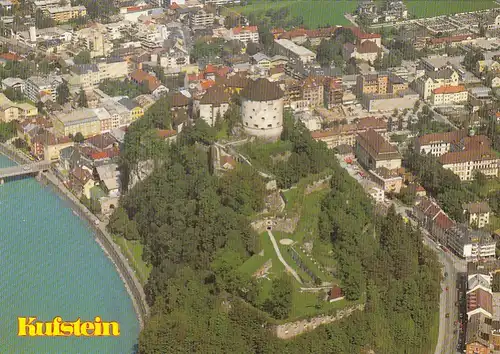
column 334, row 91
column 478, row 214
column 45, row 145
column 10, row 111
column 61, row 14
column 180, row 110
column 345, row 134
column 85, row 76
column 151, row 83
column 13, row 83
column 135, row 110
column 289, row 49
column 81, row 181
column 83, row 120
column 366, row 51
column 112, row 68
column 479, row 334
column 471, row 244
column 169, row 135
column 201, row 18
column 42, row 88
column 449, row 95
column 214, row 103
column 380, row 84
column 389, row 180
column 245, row 34
column 373, row 151
column 93, row 38
column 432, row 218
column 495, row 82
column 487, row 65
column 109, row 179
column 432, row 80
column 479, row 301
column 312, row 90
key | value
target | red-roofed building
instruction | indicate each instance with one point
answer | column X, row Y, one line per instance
column 10, row 57
column 450, row 40
column 449, row 95
column 167, row 134
column 141, row 77
column 362, row 37
column 245, row 34
column 335, row 294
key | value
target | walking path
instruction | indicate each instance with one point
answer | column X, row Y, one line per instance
column 280, row 257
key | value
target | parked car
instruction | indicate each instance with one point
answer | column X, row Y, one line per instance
column 447, row 315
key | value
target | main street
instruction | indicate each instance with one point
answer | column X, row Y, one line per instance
column 452, row 265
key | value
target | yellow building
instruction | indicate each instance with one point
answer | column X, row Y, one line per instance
column 62, row 14
column 135, row 110
column 82, row 120
column 490, row 65
column 10, row 111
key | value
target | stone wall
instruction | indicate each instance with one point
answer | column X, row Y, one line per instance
column 284, row 224
column 292, row 329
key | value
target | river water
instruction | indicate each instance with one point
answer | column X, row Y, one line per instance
column 51, row 266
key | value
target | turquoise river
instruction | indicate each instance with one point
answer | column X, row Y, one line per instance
column 51, row 266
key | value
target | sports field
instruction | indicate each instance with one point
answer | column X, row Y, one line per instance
column 431, row 8
column 315, row 13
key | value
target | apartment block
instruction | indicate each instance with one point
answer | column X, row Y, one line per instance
column 373, row 151
column 81, row 120
column 63, row 14
column 39, row 88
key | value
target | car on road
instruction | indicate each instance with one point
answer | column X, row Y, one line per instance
column 26, row 168
column 445, row 274
column 446, row 288
column 447, row 315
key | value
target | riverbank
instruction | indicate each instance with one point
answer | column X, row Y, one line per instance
column 102, row 238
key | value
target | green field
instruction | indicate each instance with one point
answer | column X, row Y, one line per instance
column 315, row 13
column 432, row 8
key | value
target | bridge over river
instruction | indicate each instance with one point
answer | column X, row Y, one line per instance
column 22, row 170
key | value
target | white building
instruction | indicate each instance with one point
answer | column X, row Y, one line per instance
column 38, row 87
column 245, row 34
column 214, row 104
column 289, row 49
column 201, row 18
column 432, row 80
column 478, row 214
column 449, row 95
column 93, row 39
column 262, row 109
column 471, row 244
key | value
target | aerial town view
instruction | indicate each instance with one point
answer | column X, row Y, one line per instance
column 250, row 176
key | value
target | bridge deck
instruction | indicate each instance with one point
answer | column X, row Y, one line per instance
column 25, row 169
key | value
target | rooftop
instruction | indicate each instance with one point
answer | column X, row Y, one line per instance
column 262, row 90
column 377, row 146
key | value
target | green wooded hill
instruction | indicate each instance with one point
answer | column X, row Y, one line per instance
column 195, row 230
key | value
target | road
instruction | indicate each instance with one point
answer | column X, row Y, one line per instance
column 280, row 257
column 447, row 340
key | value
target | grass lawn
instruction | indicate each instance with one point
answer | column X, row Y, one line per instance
column 432, row 8
column 252, row 264
column 315, row 13
column 260, row 154
column 307, row 227
column 304, row 305
column 133, row 251
column 223, row 132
